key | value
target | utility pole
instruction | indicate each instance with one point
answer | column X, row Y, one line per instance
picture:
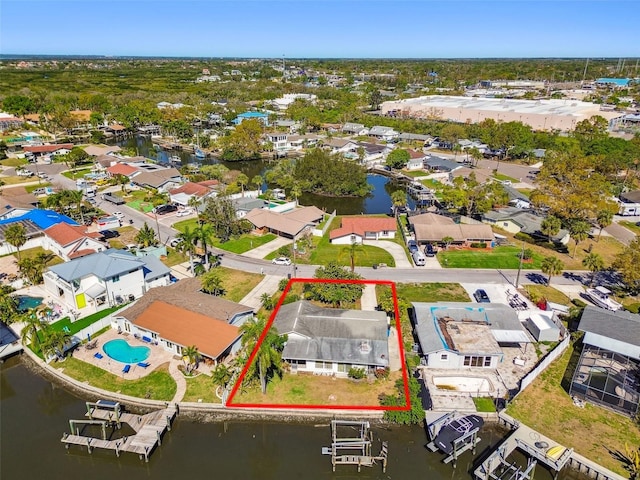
column 519, row 266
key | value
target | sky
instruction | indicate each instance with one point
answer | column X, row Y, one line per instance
column 322, row 28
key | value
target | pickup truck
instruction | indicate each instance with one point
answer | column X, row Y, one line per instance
column 115, row 199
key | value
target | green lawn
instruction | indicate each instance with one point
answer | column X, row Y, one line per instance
column 484, row 404
column 158, row 385
column 414, row 173
column 432, row 292
column 238, row 283
column 78, row 173
column 550, row 293
column 499, row 257
column 31, row 188
column 501, row 177
column 182, row 224
column 13, row 162
column 75, row 327
column 200, row 389
column 631, row 226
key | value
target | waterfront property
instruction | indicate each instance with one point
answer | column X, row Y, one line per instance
column 181, row 315
column 291, row 224
column 330, row 341
column 608, row 373
column 516, row 220
column 359, row 229
column 432, row 228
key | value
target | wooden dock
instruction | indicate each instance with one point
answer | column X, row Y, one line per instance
column 537, row 447
column 359, row 446
column 149, row 429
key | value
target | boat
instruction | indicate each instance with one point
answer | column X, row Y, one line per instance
column 601, row 297
column 456, row 429
column 175, row 160
column 199, row 153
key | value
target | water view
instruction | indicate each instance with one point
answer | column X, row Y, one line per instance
column 34, row 414
column 378, row 201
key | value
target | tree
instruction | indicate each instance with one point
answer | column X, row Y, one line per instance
column 191, row 356
column 244, row 142
column 242, row 180
column 603, row 219
column 398, row 158
column 447, row 241
column 16, row 235
column 9, row 312
column 212, row 283
column 54, row 342
column 221, row 214
column 146, row 236
column 594, row 262
column 579, row 231
column 257, row 181
column 267, row 301
column 187, row 244
column 550, row 226
column 205, row 234
column 352, row 250
column 221, row 376
column 33, row 325
column 476, row 155
column 335, row 293
column 33, row 267
column 627, row 263
column 398, row 199
column 268, row 359
column 551, row 266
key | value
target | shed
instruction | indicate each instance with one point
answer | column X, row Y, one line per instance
column 542, row 328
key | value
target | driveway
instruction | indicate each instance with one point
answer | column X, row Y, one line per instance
column 264, row 250
column 623, row 235
column 397, row 252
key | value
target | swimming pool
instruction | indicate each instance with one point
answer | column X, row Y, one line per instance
column 121, row 351
column 26, row 302
column 463, row 383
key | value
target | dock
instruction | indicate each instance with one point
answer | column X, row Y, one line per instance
column 149, row 428
column 354, row 449
column 535, row 446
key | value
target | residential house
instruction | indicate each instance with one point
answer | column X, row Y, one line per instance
column 300, row 142
column 184, row 194
column 517, row 199
column 72, row 241
column 426, row 140
column 43, row 150
column 287, row 99
column 161, row 179
column 244, row 205
column 8, row 122
column 340, row 145
column 608, row 372
column 356, row 129
column 331, row 341
column 102, row 162
column 629, row 203
column 433, row 228
column 515, row 220
column 278, row 142
column 291, row 224
column 387, row 134
column 260, row 116
column 122, row 168
column 359, row 229
column 372, row 153
column 461, row 335
column 290, row 126
column 416, row 160
column 34, row 221
column 440, row 165
column 16, row 197
column 181, row 315
column 98, row 150
column 103, row 279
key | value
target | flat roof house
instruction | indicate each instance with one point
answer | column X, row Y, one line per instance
column 608, row 372
column 462, row 335
column 330, row 340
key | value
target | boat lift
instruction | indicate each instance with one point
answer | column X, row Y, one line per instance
column 466, row 442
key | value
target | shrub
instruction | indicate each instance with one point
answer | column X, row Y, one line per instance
column 283, row 284
column 478, row 245
column 292, row 297
column 578, row 303
column 633, row 307
column 285, row 251
column 382, row 373
column 527, row 254
column 525, row 237
column 356, row 373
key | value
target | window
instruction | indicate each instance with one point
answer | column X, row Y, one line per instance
column 477, row 361
column 444, row 356
column 343, row 368
column 505, row 224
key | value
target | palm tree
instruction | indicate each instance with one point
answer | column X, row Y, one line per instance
column 242, row 180
column 54, row 342
column 398, row 199
column 146, row 236
column 603, row 219
column 212, row 283
column 352, row 251
column 9, row 312
column 579, row 231
column 268, row 360
column 16, row 235
column 221, row 376
column 205, row 234
column 266, row 301
column 551, row 266
column 75, row 198
column 191, row 356
column 476, row 155
column 187, row 244
column 594, row 262
column 257, row 180
column 550, row 226
column 33, row 326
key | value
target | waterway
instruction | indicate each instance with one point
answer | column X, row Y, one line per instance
column 34, row 413
column 378, row 201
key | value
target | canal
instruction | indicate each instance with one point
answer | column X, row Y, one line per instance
column 34, row 414
column 378, row 201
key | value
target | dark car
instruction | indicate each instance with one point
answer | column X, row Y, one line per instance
column 162, row 209
column 429, row 251
column 412, row 246
column 109, row 234
column 481, row 296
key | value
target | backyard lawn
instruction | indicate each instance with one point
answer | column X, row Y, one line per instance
column 498, row 257
column 432, row 292
column 200, row 389
column 75, row 327
column 238, row 283
column 158, row 385
column 594, row 432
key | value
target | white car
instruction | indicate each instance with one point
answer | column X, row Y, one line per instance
column 281, row 261
column 118, row 215
column 184, row 213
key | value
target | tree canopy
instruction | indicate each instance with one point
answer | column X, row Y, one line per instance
column 336, row 294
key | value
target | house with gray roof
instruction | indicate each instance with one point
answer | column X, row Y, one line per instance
column 383, row 133
column 608, row 372
column 458, row 335
column 104, row 279
column 355, row 129
column 330, row 341
column 438, row 164
column 244, row 205
column 162, row 179
column 514, row 220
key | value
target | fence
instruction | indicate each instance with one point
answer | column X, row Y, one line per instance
column 542, row 365
column 321, row 232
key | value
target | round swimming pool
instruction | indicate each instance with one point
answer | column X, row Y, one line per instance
column 121, row 351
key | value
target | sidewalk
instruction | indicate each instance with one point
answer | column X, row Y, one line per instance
column 268, row 285
column 264, row 250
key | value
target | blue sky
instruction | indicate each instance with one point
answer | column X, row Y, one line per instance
column 322, row 28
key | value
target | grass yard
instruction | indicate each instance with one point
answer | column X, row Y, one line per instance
column 502, row 177
column 432, row 292
column 592, row 431
column 631, row 226
column 306, row 389
column 414, row 173
column 31, row 188
column 174, row 257
column 75, row 327
column 505, row 257
column 13, row 162
column 239, row 245
column 33, row 252
column 550, row 293
column 484, row 404
column 200, row 389
column 158, row 385
column 238, row 283
column 77, row 173
column 17, row 179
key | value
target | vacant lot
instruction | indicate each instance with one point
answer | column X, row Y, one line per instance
column 499, row 257
column 592, row 431
column 306, row 389
column 237, row 283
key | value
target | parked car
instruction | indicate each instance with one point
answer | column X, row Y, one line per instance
column 281, row 261
column 481, row 296
column 184, row 213
column 429, row 251
column 106, row 234
column 174, row 242
column 118, row 215
column 412, row 245
column 163, row 209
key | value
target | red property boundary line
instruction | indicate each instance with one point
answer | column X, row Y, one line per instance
column 405, row 381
